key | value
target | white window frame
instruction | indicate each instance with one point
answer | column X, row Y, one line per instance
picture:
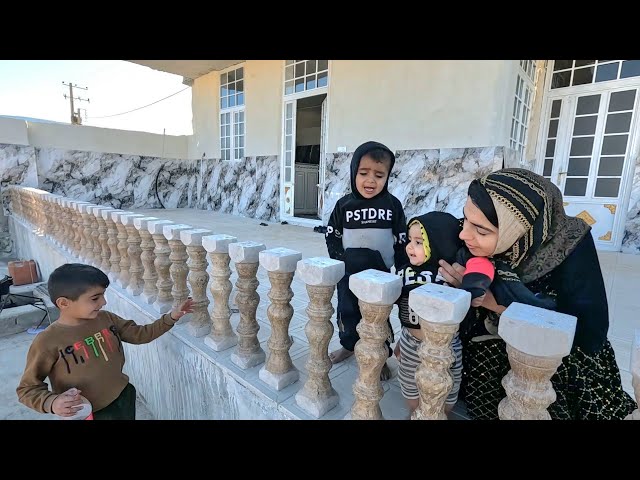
column 236, row 151
column 305, row 76
column 522, row 106
column 595, row 86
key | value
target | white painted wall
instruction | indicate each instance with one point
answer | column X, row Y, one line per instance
column 13, row 131
column 264, row 81
column 92, row 139
column 407, row 104
column 419, row 104
column 263, row 110
column 206, row 122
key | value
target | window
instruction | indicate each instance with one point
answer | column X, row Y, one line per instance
column 232, row 114
column 302, row 75
column 569, row 73
column 525, row 88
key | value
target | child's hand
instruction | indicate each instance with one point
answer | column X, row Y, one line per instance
column 396, row 351
column 182, row 310
column 67, row 404
column 476, row 302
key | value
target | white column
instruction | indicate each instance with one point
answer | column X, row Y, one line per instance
column 248, row 352
column 320, row 274
column 440, row 310
column 163, row 301
column 200, row 323
column 376, row 292
column 537, row 340
column 147, row 257
column 222, row 335
column 280, row 263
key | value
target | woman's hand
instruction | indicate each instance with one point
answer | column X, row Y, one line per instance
column 490, row 303
column 452, row 274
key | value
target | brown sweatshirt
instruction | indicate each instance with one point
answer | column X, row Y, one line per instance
column 89, row 357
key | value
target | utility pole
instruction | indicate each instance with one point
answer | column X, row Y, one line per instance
column 76, row 119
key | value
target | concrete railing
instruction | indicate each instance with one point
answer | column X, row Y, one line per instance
column 162, row 263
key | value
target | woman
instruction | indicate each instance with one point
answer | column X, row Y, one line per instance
column 543, row 258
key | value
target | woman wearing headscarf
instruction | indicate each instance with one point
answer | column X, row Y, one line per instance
column 543, row 258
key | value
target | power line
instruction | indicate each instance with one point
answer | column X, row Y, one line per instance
column 139, row 108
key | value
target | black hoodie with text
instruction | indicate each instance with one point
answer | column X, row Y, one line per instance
column 440, row 240
column 367, row 232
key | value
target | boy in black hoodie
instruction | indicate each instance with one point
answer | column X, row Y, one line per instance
column 367, row 229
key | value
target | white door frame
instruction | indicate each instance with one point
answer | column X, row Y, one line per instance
column 626, row 182
column 321, row 168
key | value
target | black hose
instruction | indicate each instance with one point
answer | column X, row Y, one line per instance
column 157, row 177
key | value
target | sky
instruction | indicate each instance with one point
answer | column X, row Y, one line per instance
column 33, row 88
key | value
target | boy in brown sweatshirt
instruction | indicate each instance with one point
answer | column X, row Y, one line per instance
column 83, row 349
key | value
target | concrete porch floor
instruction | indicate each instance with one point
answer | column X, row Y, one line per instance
column 621, row 274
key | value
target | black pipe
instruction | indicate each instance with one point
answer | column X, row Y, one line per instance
column 157, row 177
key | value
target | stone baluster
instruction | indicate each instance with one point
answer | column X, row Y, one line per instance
column 16, row 202
column 33, row 198
column 33, row 209
column 22, row 201
column 179, row 269
column 26, row 207
column 45, row 213
column 63, row 216
column 43, row 221
column 16, row 207
column 635, row 373
column 222, row 335
column 248, row 352
column 56, row 217
column 147, row 257
column 280, row 264
column 376, row 292
column 112, row 243
column 134, row 287
column 86, row 253
column 78, row 227
column 537, row 340
column 19, row 204
column 440, row 309
column 45, row 217
column 101, row 247
column 122, row 246
column 22, row 207
column 35, row 202
column 320, row 274
column 96, row 253
column 200, row 323
column 163, row 301
column 28, row 200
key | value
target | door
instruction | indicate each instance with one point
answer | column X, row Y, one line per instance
column 588, row 153
column 289, row 150
column 323, row 149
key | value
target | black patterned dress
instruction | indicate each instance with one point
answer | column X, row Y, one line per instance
column 587, row 383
